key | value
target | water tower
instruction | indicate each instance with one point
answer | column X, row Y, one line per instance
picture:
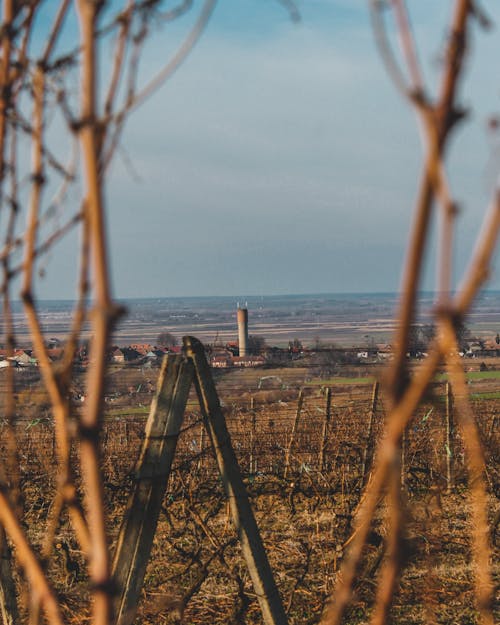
column 242, row 315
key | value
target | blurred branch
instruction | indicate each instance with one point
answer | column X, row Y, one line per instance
column 176, row 60
column 28, row 561
column 292, row 9
column 387, row 455
column 55, row 32
column 118, row 57
column 386, row 53
column 43, row 248
column 405, row 396
column 480, row 264
column 481, row 551
column 103, row 316
column 390, row 570
column 445, row 119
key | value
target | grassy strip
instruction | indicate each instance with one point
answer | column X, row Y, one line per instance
column 486, row 395
column 333, row 381
column 472, row 375
column 127, row 411
column 440, row 377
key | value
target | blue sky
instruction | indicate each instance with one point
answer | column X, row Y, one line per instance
column 280, row 159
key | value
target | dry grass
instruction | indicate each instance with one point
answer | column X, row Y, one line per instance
column 196, row 573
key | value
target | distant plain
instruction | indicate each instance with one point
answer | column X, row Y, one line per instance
column 338, row 319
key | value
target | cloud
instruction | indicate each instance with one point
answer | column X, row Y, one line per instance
column 280, row 159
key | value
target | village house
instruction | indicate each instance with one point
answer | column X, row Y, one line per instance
column 142, row 348
column 249, row 361
column 24, row 357
column 117, row 355
column 221, row 360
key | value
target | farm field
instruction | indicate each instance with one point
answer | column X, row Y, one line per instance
column 304, row 505
column 340, row 319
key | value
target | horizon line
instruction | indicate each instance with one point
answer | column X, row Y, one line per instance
column 254, row 295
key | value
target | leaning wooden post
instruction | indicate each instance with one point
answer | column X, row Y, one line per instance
column 370, row 443
column 151, row 474
column 326, row 424
column 449, row 435
column 295, row 425
column 241, row 510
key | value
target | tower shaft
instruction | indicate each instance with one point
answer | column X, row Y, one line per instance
column 242, row 315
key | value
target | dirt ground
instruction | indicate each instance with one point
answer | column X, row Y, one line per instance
column 197, row 574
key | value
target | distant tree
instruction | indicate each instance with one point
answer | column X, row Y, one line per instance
column 166, row 339
column 420, row 336
column 428, row 332
column 328, row 361
column 415, row 343
column 277, row 356
column 295, row 345
column 463, row 336
column 256, row 344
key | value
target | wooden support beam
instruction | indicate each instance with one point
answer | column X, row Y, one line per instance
column 241, row 510
column 370, row 442
column 293, row 433
column 449, row 436
column 324, row 432
column 152, row 472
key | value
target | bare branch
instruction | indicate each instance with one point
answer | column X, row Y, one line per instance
column 481, row 550
column 419, row 232
column 177, row 59
column 29, row 562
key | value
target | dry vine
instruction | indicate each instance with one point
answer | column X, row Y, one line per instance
column 36, row 93
column 438, row 120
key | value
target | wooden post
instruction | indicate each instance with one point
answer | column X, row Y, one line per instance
column 449, row 436
column 326, row 424
column 152, row 471
column 295, row 425
column 8, row 603
column 403, row 458
column 241, row 510
column 252, row 464
column 370, row 443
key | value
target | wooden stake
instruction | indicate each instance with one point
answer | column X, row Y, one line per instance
column 326, row 424
column 152, row 473
column 370, row 443
column 252, row 463
column 449, row 436
column 403, row 458
column 295, row 425
column 241, row 510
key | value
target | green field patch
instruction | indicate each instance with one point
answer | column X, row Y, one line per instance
column 339, row 381
column 486, row 395
column 472, row 375
column 128, row 411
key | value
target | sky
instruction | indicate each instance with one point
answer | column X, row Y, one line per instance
column 280, row 158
